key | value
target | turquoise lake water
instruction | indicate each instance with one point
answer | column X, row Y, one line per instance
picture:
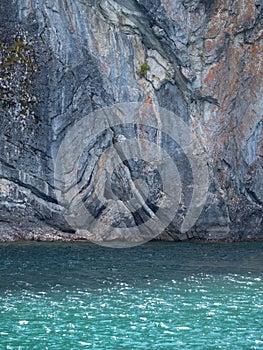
column 156, row 296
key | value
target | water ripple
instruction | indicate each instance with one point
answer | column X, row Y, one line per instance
column 107, row 300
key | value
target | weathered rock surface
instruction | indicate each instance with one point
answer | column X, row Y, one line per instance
column 61, row 60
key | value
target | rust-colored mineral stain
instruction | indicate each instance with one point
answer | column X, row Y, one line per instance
column 143, row 84
column 101, row 163
column 246, row 13
column 212, row 32
column 148, row 98
column 213, row 73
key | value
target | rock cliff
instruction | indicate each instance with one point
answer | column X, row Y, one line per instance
column 61, row 60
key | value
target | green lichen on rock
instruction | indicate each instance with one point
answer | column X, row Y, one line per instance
column 19, row 52
column 17, row 66
column 144, row 69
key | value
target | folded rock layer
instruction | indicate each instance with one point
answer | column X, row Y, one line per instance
column 63, row 60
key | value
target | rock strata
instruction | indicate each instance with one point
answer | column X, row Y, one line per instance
column 62, row 60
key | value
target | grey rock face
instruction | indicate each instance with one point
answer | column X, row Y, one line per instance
column 62, row 60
